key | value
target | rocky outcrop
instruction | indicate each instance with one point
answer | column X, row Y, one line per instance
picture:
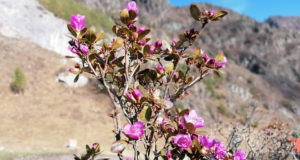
column 28, row 19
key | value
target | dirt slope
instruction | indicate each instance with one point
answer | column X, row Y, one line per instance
column 48, row 114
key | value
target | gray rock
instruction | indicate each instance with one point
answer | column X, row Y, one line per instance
column 28, row 19
column 68, row 78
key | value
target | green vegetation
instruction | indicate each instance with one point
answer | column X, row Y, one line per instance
column 222, row 109
column 243, row 111
column 210, row 86
column 250, row 80
column 65, row 8
column 182, row 68
column 19, row 80
column 296, row 134
column 255, row 124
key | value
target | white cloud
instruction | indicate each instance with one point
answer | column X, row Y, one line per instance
column 236, row 5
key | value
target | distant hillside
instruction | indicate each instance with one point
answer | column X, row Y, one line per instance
column 291, row 24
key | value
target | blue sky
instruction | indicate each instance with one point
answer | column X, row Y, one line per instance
column 258, row 9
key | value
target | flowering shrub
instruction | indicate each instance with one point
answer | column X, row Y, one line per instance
column 143, row 81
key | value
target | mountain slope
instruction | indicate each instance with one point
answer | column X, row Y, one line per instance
column 268, row 51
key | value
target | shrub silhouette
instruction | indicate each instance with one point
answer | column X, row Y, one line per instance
column 19, row 81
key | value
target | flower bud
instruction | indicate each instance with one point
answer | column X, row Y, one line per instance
column 71, row 70
column 205, row 13
column 137, row 94
column 201, row 53
column 96, row 146
column 174, row 42
column 84, row 48
column 160, row 68
column 73, row 49
column 132, row 27
column 141, row 29
column 158, row 44
column 211, row 12
column 169, row 155
column 152, row 49
column 187, row 92
column 206, row 58
column 128, row 95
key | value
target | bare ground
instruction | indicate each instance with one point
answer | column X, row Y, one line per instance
column 47, row 114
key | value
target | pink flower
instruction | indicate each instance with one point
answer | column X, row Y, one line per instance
column 220, row 150
column 84, row 48
column 160, row 68
column 132, row 6
column 134, row 131
column 141, row 29
column 137, row 94
column 168, row 99
column 239, row 155
column 128, row 159
column 207, row 142
column 183, row 141
column 158, row 44
column 211, row 12
column 77, row 22
column 193, row 118
column 169, row 155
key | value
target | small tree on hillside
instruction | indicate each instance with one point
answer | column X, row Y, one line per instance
column 19, row 81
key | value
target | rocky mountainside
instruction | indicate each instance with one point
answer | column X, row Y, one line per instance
column 265, row 49
column 291, row 24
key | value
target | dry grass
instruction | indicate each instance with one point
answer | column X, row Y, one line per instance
column 47, row 114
